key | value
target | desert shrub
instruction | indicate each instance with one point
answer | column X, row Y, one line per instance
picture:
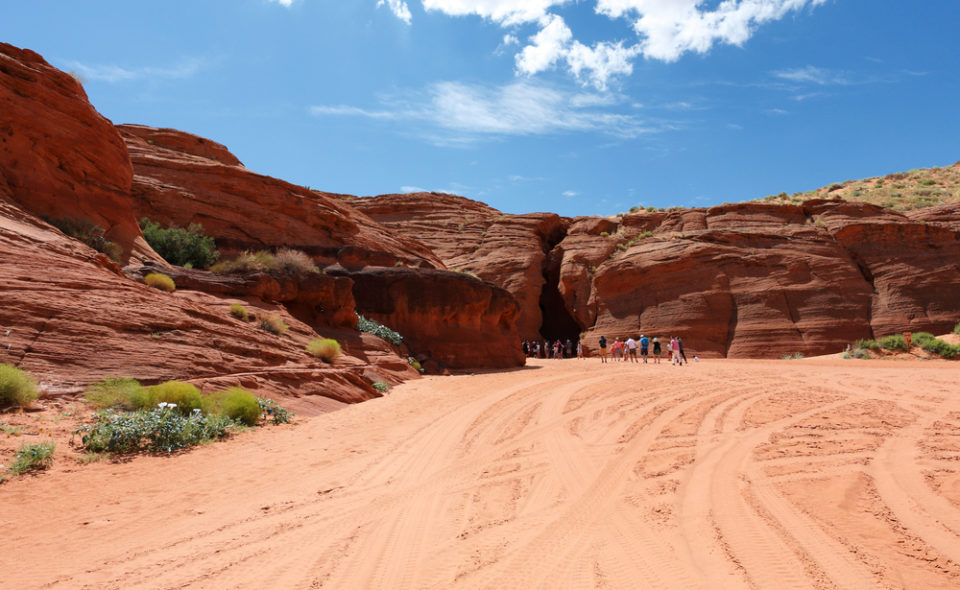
column 33, row 457
column 381, row 386
column 240, row 312
column 939, row 347
column 236, row 403
column 294, row 261
column 273, row 411
column 181, row 246
column 326, row 349
column 956, row 329
column 285, row 260
column 116, row 392
column 869, row 344
column 415, row 364
column 893, row 342
column 861, row 353
column 604, row 234
column 919, row 337
column 274, row 324
column 372, row 327
column 158, row 429
column 160, row 281
column 89, row 234
column 797, row 355
column 634, row 209
column 786, row 357
column 16, row 387
column 185, row 397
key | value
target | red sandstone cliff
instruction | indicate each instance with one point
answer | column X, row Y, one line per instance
column 743, row 280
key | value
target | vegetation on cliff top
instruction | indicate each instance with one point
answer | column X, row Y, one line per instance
column 901, row 191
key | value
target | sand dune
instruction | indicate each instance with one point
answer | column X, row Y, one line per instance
column 566, row 474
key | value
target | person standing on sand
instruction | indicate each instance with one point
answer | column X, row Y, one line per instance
column 675, row 347
column 644, row 347
column 680, row 349
column 579, row 350
column 656, row 350
column 631, row 346
column 568, row 353
column 603, row 349
column 617, row 350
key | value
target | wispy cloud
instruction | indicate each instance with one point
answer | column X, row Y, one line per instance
column 399, row 9
column 814, row 75
column 286, row 3
column 570, row 193
column 186, row 68
column 455, row 112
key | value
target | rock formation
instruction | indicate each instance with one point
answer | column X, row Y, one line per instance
column 742, row 280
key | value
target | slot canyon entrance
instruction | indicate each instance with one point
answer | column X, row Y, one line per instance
column 557, row 323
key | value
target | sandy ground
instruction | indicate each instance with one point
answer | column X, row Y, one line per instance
column 566, row 474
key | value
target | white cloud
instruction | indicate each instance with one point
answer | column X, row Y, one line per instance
column 399, row 9
column 546, row 47
column 461, row 113
column 670, row 28
column 665, row 30
column 413, row 189
column 286, row 3
column 505, row 12
column 570, row 193
column 113, row 73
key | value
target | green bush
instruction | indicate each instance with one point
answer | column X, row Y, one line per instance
column 893, row 342
column 415, row 364
column 16, row 387
column 185, row 396
column 115, row 392
column 157, row 429
column 372, row 327
column 33, row 457
column 381, row 386
column 861, row 353
column 235, row 403
column 273, row 411
column 240, row 312
column 919, row 337
column 956, row 329
column 179, row 246
column 870, row 344
column 160, row 281
column 939, row 347
column 274, row 324
column 89, row 234
column 327, row 349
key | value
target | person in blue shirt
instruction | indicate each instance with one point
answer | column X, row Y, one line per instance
column 644, row 347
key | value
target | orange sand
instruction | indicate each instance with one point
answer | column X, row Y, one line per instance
column 567, row 474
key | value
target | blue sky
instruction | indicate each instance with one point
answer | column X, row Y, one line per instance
column 578, row 107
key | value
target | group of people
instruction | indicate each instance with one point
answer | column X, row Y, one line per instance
column 551, row 350
column 626, row 350
column 620, row 350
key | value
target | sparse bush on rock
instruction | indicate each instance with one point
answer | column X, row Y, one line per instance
column 160, row 281
column 274, row 324
column 239, row 311
column 326, row 349
column 89, row 234
column 381, row 386
column 17, row 388
column 284, row 260
column 162, row 429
